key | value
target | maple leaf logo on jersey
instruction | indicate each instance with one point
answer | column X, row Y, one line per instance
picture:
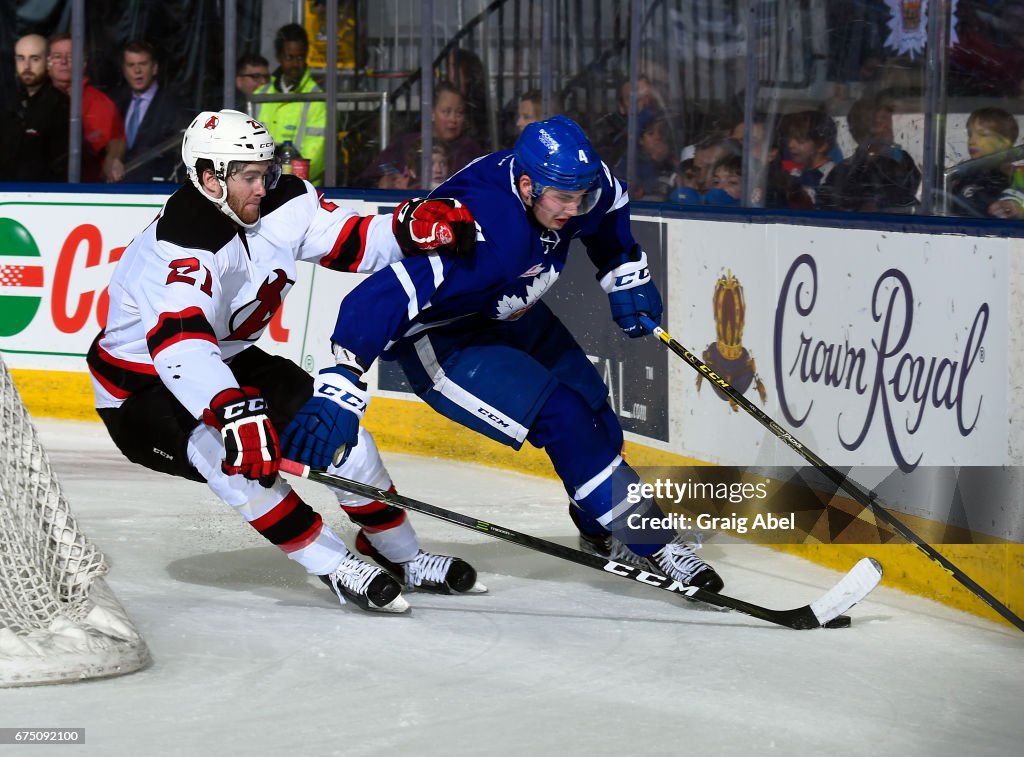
column 248, row 322
column 512, row 307
column 211, row 122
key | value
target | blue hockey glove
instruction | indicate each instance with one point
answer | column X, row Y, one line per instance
column 329, row 420
column 632, row 292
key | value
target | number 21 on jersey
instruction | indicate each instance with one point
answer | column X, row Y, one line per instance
column 183, row 270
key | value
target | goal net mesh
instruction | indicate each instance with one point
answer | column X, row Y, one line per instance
column 59, row 621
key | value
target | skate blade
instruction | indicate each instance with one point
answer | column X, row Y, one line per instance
column 477, row 588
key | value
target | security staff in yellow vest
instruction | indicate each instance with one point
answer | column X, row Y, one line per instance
column 304, row 123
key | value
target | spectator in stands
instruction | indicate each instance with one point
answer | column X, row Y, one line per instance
column 251, row 72
column 772, row 186
column 655, row 160
column 980, row 183
column 154, row 116
column 34, row 130
column 726, row 182
column 466, row 72
column 408, row 175
column 708, row 153
column 103, row 139
column 809, row 137
column 610, row 131
column 448, row 119
column 880, row 176
column 303, row 123
column 530, row 108
column 686, row 192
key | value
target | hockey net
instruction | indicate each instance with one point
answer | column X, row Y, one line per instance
column 59, row 621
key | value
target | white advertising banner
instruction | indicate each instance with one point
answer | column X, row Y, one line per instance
column 873, row 348
column 57, row 253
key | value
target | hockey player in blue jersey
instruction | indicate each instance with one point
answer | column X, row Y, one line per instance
column 470, row 332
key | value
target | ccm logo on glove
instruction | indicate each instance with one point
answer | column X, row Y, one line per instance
column 631, row 291
column 342, row 396
column 251, row 446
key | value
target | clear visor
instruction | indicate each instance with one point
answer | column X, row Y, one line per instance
column 574, row 202
column 248, row 172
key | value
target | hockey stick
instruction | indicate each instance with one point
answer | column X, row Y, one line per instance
column 866, row 499
column 852, row 588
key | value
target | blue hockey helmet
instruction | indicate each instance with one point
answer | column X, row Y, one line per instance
column 556, row 154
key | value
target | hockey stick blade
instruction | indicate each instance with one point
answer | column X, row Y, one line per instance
column 852, row 588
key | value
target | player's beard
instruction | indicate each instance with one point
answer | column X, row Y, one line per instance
column 248, row 213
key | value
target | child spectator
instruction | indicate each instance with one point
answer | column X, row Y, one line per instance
column 809, row 136
column 978, row 189
column 726, row 182
column 686, row 192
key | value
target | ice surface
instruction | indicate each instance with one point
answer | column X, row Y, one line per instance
column 252, row 657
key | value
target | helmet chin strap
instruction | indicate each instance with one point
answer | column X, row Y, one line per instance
column 222, row 201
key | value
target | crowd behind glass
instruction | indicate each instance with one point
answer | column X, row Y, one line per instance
column 849, row 141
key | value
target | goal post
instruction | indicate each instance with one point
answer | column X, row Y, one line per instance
column 59, row 621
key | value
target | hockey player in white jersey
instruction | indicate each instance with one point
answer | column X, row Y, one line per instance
column 182, row 388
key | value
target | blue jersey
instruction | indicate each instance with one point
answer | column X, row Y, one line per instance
column 514, row 262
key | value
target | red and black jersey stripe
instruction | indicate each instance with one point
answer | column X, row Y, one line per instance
column 172, row 328
column 350, row 245
column 291, row 524
column 376, row 516
column 120, row 378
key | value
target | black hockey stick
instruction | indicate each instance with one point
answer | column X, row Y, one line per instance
column 865, row 498
column 852, row 587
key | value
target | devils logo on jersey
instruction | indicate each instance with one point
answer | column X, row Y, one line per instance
column 248, row 322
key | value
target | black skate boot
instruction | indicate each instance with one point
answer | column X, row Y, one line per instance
column 678, row 561
column 604, row 545
column 367, row 586
column 440, row 574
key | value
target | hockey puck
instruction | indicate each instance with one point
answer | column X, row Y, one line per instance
column 841, row 621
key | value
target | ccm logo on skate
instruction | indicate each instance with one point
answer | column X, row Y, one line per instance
column 642, row 576
column 495, row 419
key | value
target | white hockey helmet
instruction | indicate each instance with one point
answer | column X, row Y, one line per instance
column 225, row 137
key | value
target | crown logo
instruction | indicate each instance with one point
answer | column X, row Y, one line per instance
column 727, row 355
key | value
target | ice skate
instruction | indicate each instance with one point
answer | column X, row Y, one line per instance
column 367, row 586
column 441, row 574
column 678, row 561
column 610, row 548
column 603, row 545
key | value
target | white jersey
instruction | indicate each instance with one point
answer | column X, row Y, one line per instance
column 195, row 289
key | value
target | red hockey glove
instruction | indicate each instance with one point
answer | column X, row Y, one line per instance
column 250, row 441
column 424, row 225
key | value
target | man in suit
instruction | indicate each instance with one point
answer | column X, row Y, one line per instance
column 152, row 115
